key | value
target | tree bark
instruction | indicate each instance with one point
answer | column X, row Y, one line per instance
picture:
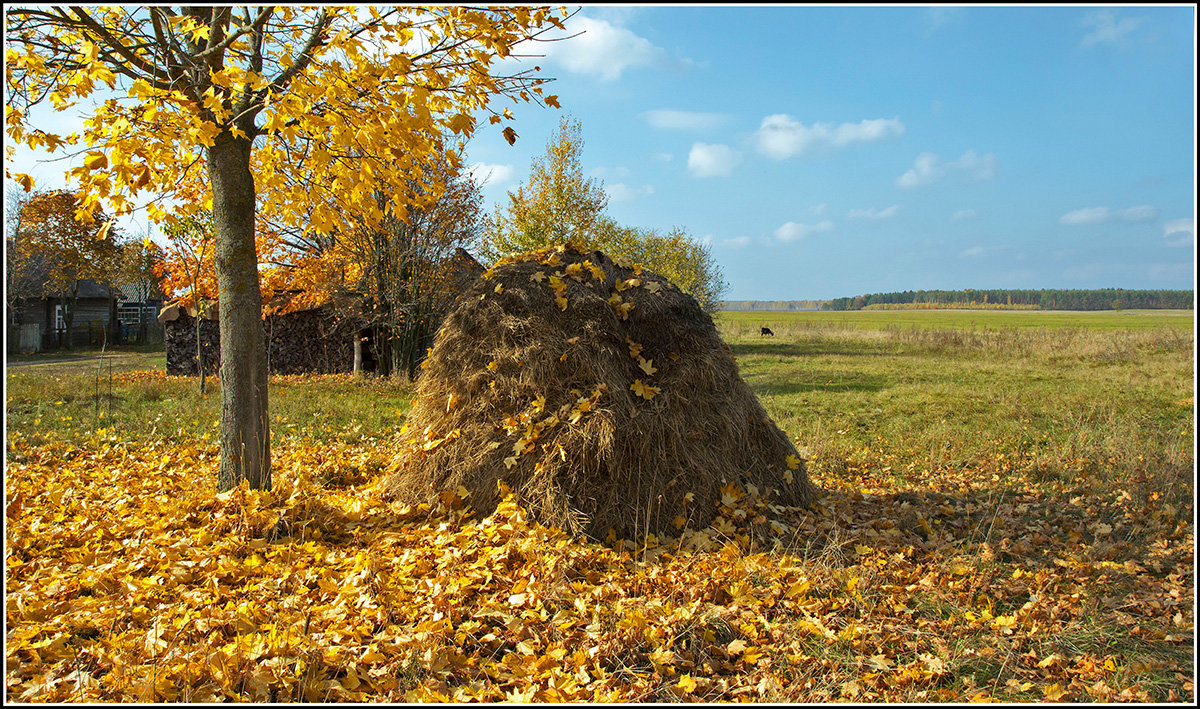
column 245, row 434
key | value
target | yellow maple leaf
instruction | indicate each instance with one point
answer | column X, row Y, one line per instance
column 643, row 390
column 647, row 366
column 686, row 684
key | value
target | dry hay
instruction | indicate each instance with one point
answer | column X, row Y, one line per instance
column 597, row 391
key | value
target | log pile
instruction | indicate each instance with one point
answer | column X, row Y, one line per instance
column 308, row 341
column 179, row 336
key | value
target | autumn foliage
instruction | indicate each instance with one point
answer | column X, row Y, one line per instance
column 126, row 581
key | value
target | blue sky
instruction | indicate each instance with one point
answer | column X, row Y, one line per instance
column 831, row 151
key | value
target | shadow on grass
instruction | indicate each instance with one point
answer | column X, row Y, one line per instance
column 823, row 381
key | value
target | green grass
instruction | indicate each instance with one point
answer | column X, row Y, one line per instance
column 894, row 395
column 130, row 393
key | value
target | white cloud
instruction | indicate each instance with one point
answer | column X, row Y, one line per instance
column 706, row 160
column 621, row 192
column 736, row 242
column 1180, row 232
column 1107, row 29
column 491, row 175
column 792, row 231
column 684, row 120
column 603, row 50
column 976, row 168
column 780, row 136
column 963, row 215
column 1100, row 215
column 872, row 213
column 1091, row 215
column 663, row 157
column 1140, row 213
column 818, row 209
column 929, row 168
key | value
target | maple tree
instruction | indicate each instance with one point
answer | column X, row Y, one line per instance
column 560, row 205
column 351, row 97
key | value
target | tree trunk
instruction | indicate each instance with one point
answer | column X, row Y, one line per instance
column 245, row 435
column 357, row 353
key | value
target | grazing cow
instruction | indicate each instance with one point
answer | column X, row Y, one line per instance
column 767, row 331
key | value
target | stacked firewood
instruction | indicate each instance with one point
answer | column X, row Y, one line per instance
column 179, row 335
column 308, row 341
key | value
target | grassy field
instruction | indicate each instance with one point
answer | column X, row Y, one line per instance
column 933, row 389
column 1006, row 513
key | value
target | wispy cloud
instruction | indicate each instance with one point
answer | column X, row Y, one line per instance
column 872, row 213
column 929, row 168
column 780, row 136
column 1100, row 215
column 1107, row 29
column 973, row 252
column 603, row 50
column 736, row 242
column 1180, row 232
column 684, row 120
column 663, row 157
column 718, row 160
column 963, row 215
column 792, row 231
column 621, row 192
column 491, row 175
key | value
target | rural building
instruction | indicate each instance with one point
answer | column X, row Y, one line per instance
column 315, row 339
column 39, row 323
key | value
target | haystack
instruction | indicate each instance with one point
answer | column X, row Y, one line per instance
column 599, row 393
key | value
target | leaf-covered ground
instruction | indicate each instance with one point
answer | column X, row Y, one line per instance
column 129, row 579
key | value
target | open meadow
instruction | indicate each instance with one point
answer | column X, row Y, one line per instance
column 1006, row 513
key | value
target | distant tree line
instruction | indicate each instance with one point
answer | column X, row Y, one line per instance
column 773, row 304
column 1050, row 299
